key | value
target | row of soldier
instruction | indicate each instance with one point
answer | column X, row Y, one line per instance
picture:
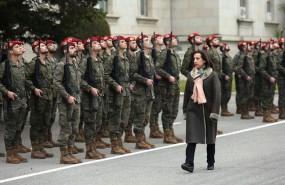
column 113, row 91
column 108, row 90
column 258, row 67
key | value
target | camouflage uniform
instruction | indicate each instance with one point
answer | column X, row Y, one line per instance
column 68, row 128
column 257, row 82
column 120, row 103
column 132, row 59
column 245, row 68
column 17, row 108
column 40, row 106
column 105, row 117
column 226, row 85
column 268, row 69
column 235, row 61
column 187, row 66
column 281, row 85
column 80, row 136
column 170, row 93
column 92, row 118
column 156, row 105
column 53, row 62
column 142, row 95
column 216, row 60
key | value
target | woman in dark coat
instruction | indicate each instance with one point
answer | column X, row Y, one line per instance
column 202, row 103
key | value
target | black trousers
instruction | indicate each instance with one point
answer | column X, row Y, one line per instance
column 190, row 153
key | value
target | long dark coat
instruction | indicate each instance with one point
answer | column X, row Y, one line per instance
column 199, row 127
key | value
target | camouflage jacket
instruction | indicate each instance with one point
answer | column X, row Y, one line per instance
column 140, row 75
column 216, row 60
column 166, row 70
column 187, row 65
column 132, row 59
column 80, row 59
column 245, row 66
column 45, row 78
column 157, row 53
column 268, row 66
column 18, row 81
column 227, row 68
column 235, row 61
column 123, row 78
column 256, row 60
column 75, row 80
column 53, row 62
column 97, row 72
column 281, row 63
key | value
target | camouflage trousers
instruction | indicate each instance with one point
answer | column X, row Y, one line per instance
column 169, row 103
column 246, row 91
column 68, row 128
column 257, row 90
column 131, row 116
column 141, row 111
column 267, row 94
column 92, row 120
column 53, row 113
column 226, row 89
column 39, row 119
column 156, row 106
column 119, row 116
column 15, row 119
column 281, row 90
column 105, row 113
column 237, row 79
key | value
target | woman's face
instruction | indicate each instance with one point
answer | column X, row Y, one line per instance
column 198, row 61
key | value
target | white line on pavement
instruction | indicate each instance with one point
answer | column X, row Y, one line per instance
column 127, row 155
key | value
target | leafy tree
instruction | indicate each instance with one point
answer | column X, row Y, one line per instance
column 57, row 19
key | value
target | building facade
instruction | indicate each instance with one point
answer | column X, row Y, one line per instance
column 232, row 20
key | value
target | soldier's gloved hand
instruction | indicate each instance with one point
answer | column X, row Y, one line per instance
column 11, row 95
column 184, row 116
column 38, row 92
column 94, row 91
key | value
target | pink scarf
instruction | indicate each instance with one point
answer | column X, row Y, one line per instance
column 198, row 92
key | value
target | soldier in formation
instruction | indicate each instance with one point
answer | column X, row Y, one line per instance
column 39, row 77
column 115, row 91
column 168, row 66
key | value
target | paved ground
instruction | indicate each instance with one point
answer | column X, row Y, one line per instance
column 250, row 152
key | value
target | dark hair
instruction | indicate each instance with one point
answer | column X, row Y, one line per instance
column 204, row 56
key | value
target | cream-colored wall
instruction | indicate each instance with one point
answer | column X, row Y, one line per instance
column 129, row 22
column 185, row 16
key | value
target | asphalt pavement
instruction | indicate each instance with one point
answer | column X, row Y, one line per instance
column 249, row 152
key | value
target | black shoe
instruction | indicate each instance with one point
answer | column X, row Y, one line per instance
column 210, row 167
column 187, row 167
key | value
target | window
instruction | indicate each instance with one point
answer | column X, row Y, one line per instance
column 102, row 4
column 268, row 6
column 143, row 7
column 243, row 9
column 268, row 10
column 242, row 3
